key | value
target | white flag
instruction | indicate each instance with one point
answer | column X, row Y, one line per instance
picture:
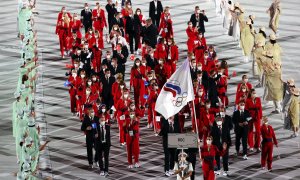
column 176, row 92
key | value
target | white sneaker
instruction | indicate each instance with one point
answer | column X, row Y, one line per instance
column 148, row 125
column 155, row 134
column 137, row 165
column 297, row 134
column 245, row 157
column 171, row 172
column 130, row 167
column 225, row 173
column 167, row 174
column 217, row 172
column 102, row 173
column 106, row 174
column 251, row 149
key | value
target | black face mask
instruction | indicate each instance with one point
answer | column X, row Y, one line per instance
column 273, row 41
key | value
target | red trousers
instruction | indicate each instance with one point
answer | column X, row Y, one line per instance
column 72, row 100
column 267, row 154
column 121, row 130
column 208, row 173
column 254, row 137
column 63, row 44
column 133, row 148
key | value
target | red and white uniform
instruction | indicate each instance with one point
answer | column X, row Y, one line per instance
column 63, row 30
column 137, row 82
column 151, row 109
column 192, row 34
column 268, row 139
column 122, row 110
column 172, row 57
column 255, row 109
column 222, row 89
column 208, row 154
column 165, row 28
column 75, row 27
column 99, row 20
column 207, row 118
column 132, row 140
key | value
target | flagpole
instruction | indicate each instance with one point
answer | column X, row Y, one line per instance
column 198, row 143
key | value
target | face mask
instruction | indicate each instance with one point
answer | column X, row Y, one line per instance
column 194, row 64
column 210, row 53
column 131, row 116
column 138, row 13
column 205, row 57
column 132, row 107
column 108, row 75
column 243, row 90
column 207, row 106
column 190, row 25
column 108, row 57
column 245, row 80
column 89, row 83
column 76, row 65
column 86, row 8
column 266, row 123
column 92, row 114
column 198, row 11
column 103, row 110
column 144, row 64
column 102, row 123
column 125, row 95
column 160, row 62
column 88, row 92
column 169, row 43
column 254, row 95
column 115, row 28
column 199, row 68
column 86, row 46
column 94, row 79
column 129, row 6
column 200, row 93
column 112, row 63
column 150, row 78
column 96, row 36
column 208, row 142
column 219, row 123
column 137, row 64
column 242, row 107
column 74, row 74
column 91, row 32
column 78, row 52
column 82, row 75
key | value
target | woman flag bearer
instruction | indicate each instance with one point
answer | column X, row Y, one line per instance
column 268, row 139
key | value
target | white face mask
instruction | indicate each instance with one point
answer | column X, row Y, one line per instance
column 76, row 65
column 208, row 142
column 115, row 28
column 194, row 65
column 102, row 123
column 91, row 32
column 160, row 62
column 94, row 79
column 207, row 106
column 112, row 63
column 138, row 13
column 245, row 80
column 190, row 25
column 86, row 8
column 89, row 83
column 131, row 116
column 74, row 74
column 82, row 75
column 243, row 90
column 199, row 68
column 125, row 95
column 219, row 123
column 200, row 93
column 129, row 6
column 266, row 123
column 103, row 110
column 150, row 78
column 78, row 52
column 88, row 92
column 137, row 64
column 144, row 64
column 108, row 57
column 242, row 107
